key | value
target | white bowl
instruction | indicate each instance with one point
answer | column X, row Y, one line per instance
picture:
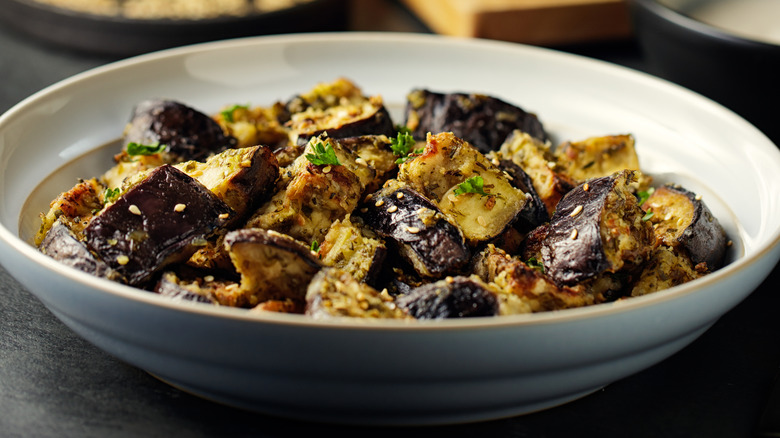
column 389, row 372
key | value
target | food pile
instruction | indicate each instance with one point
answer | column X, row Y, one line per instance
column 322, row 205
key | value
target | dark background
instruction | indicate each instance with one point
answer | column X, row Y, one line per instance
column 54, row 384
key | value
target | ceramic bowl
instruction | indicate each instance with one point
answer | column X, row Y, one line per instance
column 728, row 50
column 390, row 372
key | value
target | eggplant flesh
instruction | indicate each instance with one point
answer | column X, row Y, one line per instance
column 335, row 293
column 187, row 133
column 452, row 297
column 161, row 220
column 351, row 120
column 534, row 213
column 421, row 233
column 682, row 219
column 272, row 265
column 597, row 227
column 483, row 121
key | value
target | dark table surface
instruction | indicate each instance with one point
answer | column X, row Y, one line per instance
column 54, row 384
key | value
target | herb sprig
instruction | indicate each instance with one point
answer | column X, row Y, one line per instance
column 110, row 195
column 402, row 145
column 474, row 184
column 134, row 148
column 227, row 113
column 323, row 154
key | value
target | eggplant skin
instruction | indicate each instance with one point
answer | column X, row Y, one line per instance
column 159, row 221
column 597, row 227
column 481, row 120
column 682, row 219
column 368, row 118
column 188, row 133
column 334, row 293
column 273, row 266
column 62, row 245
column 421, row 233
column 452, row 297
column 534, row 212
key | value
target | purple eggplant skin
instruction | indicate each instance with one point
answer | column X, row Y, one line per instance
column 188, row 133
column 169, row 286
column 62, row 245
column 534, row 213
column 481, row 120
column 421, row 234
column 572, row 248
column 453, row 297
column 161, row 220
column 376, row 123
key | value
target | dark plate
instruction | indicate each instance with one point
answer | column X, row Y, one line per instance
column 111, row 35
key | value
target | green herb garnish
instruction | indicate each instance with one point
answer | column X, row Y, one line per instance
column 472, row 184
column 535, row 264
column 227, row 113
column 323, row 154
column 110, row 195
column 403, row 144
column 145, row 149
column 647, row 216
column 643, row 195
column 315, row 246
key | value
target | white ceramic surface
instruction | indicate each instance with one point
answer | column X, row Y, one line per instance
column 389, row 372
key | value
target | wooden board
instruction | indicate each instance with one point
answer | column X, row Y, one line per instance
column 540, row 22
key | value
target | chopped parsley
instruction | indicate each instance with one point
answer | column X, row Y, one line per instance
column 134, row 148
column 472, row 184
column 227, row 113
column 535, row 264
column 643, row 195
column 323, row 154
column 110, row 195
column 403, row 144
column 315, row 246
column 647, row 216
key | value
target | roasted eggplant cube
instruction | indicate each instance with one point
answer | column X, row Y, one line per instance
column 335, row 293
column 540, row 164
column 348, row 120
column 242, row 178
column 524, row 288
column 326, row 95
column 597, row 227
column 62, row 245
column 73, row 208
column 452, row 297
column 534, row 213
column 187, row 133
column 161, row 220
column 666, row 268
column 171, row 286
column 682, row 220
column 354, row 248
column 470, row 190
column 597, row 156
column 375, row 152
column 422, row 234
column 272, row 265
column 483, row 121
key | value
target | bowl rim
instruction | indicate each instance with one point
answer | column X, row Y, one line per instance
column 685, row 22
column 83, row 279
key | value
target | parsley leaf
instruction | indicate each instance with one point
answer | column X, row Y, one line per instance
column 134, row 148
column 647, row 216
column 323, row 154
column 535, row 264
column 315, row 246
column 643, row 195
column 227, row 113
column 472, row 184
column 110, row 195
column 402, row 145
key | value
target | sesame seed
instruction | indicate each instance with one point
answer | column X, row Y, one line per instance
column 550, row 164
column 392, row 209
column 697, row 197
column 369, row 196
column 179, row 207
column 223, row 216
column 452, row 197
column 449, row 279
column 123, row 259
column 399, row 195
column 208, row 278
column 668, row 216
column 481, row 221
column 577, row 210
column 134, row 209
column 360, row 160
column 246, row 163
column 364, row 210
column 413, row 230
column 585, row 187
column 326, row 169
column 574, row 234
column 379, row 203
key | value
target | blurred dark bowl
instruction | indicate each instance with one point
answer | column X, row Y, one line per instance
column 738, row 72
